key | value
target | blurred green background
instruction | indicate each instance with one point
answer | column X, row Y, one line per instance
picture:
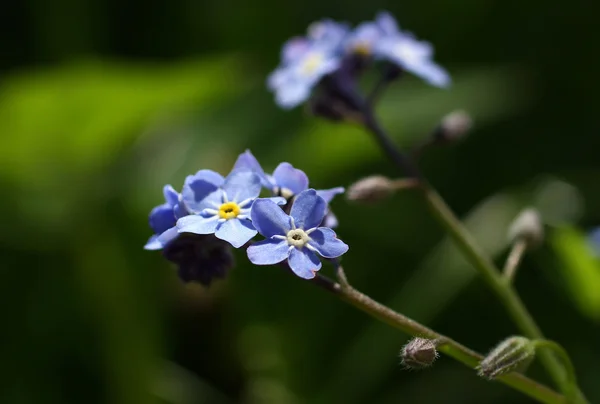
column 103, row 102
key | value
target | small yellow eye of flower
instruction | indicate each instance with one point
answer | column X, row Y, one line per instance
column 229, row 210
column 362, row 49
column 311, row 63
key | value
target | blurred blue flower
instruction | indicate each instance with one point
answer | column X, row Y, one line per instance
column 220, row 205
column 305, row 61
column 295, row 238
column 408, row 53
column 163, row 217
column 594, row 241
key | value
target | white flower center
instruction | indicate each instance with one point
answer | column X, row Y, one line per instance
column 312, row 63
column 406, row 53
column 297, row 238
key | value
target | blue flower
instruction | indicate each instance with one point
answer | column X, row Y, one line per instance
column 220, row 205
column 295, row 238
column 163, row 217
column 408, row 53
column 305, row 61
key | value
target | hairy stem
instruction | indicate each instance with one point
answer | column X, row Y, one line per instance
column 475, row 255
column 449, row 346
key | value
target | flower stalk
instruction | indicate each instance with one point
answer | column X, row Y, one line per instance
column 450, row 347
column 477, row 257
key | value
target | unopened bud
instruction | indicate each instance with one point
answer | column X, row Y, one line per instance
column 419, row 353
column 376, row 188
column 454, row 126
column 371, row 189
column 511, row 355
column 527, row 226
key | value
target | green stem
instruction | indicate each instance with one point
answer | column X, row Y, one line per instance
column 449, row 347
column 471, row 250
column 572, row 391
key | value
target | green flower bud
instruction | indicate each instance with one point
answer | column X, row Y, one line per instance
column 511, row 355
column 419, row 353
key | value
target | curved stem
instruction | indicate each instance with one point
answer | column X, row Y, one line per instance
column 471, row 250
column 571, row 392
column 514, row 259
column 449, row 347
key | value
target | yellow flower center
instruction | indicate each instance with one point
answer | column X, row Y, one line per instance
column 229, row 210
column 311, row 63
column 362, row 49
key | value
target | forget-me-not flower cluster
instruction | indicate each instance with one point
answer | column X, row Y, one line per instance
column 330, row 47
column 197, row 228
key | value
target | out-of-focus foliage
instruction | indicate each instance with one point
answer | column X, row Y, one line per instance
column 103, row 102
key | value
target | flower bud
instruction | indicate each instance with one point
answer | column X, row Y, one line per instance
column 513, row 354
column 371, row 189
column 454, row 126
column 419, row 353
column 527, row 226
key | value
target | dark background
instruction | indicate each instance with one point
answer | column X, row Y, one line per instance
column 103, row 102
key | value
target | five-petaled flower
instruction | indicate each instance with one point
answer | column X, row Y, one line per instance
column 295, row 238
column 220, row 205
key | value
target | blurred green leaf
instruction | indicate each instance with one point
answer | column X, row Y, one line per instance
column 579, row 268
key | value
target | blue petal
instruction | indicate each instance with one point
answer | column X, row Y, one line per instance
column 387, row 23
column 326, row 243
column 292, row 93
column 167, row 236
column 197, row 224
column 200, row 186
column 171, row 196
column 153, row 243
column 162, row 218
column 242, row 185
column 247, row 162
column 304, row 263
column 269, row 219
column 293, row 49
column 278, row 200
column 268, row 252
column 236, row 232
column 286, row 176
column 180, row 210
column 308, row 209
column 330, row 220
column 329, row 194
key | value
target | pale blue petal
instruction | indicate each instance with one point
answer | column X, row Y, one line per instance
column 242, row 185
column 329, row 194
column 268, row 252
column 330, row 220
column 326, row 243
column 308, row 209
column 197, row 224
column 269, row 219
column 153, row 243
column 304, row 263
column 286, row 176
column 171, row 196
column 167, row 236
column 293, row 49
column 202, row 188
column 292, row 94
column 278, row 200
column 236, row 232
column 387, row 23
column 247, row 162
